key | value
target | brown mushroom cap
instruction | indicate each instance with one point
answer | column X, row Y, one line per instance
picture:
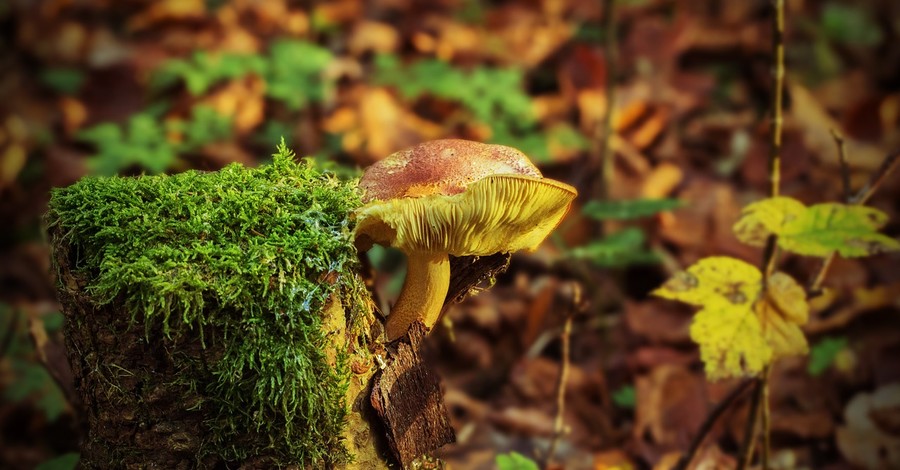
column 440, row 167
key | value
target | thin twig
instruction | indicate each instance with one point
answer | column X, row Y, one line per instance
column 751, row 428
column 710, row 421
column 559, row 423
column 777, row 99
column 765, row 418
column 770, row 259
column 611, row 55
column 10, row 332
column 604, row 157
column 845, row 168
column 877, row 178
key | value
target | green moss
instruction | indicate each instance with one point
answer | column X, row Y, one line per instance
column 248, row 258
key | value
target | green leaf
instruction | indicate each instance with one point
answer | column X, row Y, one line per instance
column 823, row 354
column 625, row 397
column 515, row 461
column 53, row 321
column 63, row 462
column 818, row 230
column 63, row 79
column 624, row 248
column 850, row 24
column 849, row 230
column 628, row 209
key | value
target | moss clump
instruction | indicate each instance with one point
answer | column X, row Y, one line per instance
column 247, row 259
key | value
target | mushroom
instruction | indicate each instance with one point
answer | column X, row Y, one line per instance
column 453, row 197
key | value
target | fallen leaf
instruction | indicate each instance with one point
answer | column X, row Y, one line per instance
column 817, row 124
column 871, row 436
column 671, row 404
column 661, row 181
column 379, row 125
column 74, row 114
column 167, row 10
column 373, row 36
column 242, row 100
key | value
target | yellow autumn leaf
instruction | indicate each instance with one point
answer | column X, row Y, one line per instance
column 763, row 218
column 781, row 312
column 818, row 230
column 731, row 342
column 788, row 297
column 740, row 329
column 714, row 279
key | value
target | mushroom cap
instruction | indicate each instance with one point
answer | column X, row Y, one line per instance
column 469, row 199
column 445, row 166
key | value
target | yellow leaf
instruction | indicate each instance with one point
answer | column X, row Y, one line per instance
column 781, row 312
column 850, row 230
column 729, row 334
column 740, row 330
column 763, row 218
column 714, row 279
column 788, row 298
column 731, row 341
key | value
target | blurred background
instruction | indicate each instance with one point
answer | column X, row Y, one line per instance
column 103, row 87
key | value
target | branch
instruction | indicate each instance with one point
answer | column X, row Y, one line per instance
column 558, row 424
column 707, row 425
column 751, row 428
column 604, row 156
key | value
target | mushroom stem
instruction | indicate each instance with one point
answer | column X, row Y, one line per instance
column 422, row 297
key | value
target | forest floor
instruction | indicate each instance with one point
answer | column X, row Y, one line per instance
column 98, row 87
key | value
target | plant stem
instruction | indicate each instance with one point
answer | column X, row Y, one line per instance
column 751, row 427
column 845, row 168
column 765, row 418
column 11, row 328
column 711, row 419
column 558, row 424
column 604, row 157
column 877, row 178
column 777, row 99
column 770, row 259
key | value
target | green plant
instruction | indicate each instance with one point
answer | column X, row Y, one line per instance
column 63, row 80
column 146, row 142
column 823, row 354
column 515, row 461
column 627, row 246
column 203, row 70
column 67, row 461
column 29, row 379
column 625, row 397
column 292, row 71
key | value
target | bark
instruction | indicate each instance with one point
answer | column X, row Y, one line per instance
column 407, row 397
column 135, row 417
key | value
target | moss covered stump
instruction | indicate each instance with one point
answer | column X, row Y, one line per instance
column 215, row 319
